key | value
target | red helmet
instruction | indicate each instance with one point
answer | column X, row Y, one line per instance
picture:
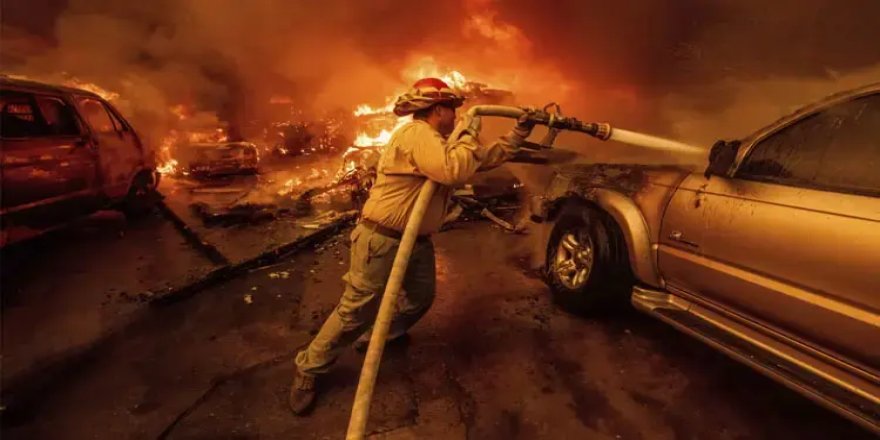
column 425, row 93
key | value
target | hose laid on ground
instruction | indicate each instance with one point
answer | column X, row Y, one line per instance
column 360, row 410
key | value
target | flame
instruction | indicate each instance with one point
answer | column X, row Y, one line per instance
column 425, row 67
column 367, row 110
column 75, row 83
column 168, row 165
column 364, row 139
column 180, row 111
column 92, row 87
column 289, row 185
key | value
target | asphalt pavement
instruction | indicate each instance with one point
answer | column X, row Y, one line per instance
column 493, row 359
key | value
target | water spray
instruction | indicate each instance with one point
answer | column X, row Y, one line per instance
column 556, row 122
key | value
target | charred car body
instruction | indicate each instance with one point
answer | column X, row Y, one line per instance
column 66, row 152
column 209, row 159
column 771, row 255
column 298, row 138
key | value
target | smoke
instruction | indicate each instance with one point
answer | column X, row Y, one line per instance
column 688, row 68
column 658, row 64
column 220, row 57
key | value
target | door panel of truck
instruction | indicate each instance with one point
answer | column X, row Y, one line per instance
column 682, row 233
column 793, row 239
column 119, row 155
column 48, row 173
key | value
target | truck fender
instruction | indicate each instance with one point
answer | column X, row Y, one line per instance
column 633, row 227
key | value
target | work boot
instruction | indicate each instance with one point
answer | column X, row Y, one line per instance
column 302, row 393
column 362, row 343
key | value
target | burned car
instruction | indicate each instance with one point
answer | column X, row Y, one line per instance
column 209, row 159
column 771, row 254
column 66, row 152
column 304, row 138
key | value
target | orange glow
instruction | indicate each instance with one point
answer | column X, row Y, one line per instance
column 277, row 99
column 179, row 110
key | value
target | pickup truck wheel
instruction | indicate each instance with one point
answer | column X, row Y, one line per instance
column 587, row 268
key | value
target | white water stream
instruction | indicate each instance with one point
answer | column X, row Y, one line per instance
column 648, row 141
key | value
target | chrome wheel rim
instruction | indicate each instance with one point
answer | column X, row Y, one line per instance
column 574, row 260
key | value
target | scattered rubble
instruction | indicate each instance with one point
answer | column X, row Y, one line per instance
column 247, row 213
column 494, row 199
column 280, row 275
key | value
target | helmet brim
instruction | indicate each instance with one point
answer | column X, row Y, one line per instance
column 407, row 107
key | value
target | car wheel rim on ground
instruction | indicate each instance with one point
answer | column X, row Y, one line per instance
column 574, row 260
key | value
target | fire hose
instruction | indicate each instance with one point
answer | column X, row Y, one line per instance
column 555, row 122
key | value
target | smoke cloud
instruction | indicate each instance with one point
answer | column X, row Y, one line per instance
column 686, row 68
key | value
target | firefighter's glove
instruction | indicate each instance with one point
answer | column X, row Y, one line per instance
column 524, row 124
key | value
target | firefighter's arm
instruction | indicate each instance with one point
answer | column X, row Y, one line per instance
column 508, row 145
column 450, row 163
column 503, row 149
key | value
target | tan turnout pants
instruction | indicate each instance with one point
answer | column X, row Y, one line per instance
column 372, row 255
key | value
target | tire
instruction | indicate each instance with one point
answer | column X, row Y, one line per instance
column 596, row 274
column 142, row 197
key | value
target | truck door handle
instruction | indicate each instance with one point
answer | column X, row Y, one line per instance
column 679, row 237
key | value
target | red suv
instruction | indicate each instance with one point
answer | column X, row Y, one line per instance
column 66, row 153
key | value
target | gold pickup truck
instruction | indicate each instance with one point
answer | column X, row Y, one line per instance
column 771, row 254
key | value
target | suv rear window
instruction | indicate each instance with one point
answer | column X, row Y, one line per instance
column 23, row 115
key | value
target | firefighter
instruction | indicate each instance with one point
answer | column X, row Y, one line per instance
column 417, row 151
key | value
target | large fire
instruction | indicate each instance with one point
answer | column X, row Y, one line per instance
column 375, row 123
column 364, row 139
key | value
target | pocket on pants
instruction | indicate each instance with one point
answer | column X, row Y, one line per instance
column 372, row 257
column 379, row 245
column 355, row 233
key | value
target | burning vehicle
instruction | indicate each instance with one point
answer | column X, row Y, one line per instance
column 210, row 159
column 722, row 254
column 66, row 152
column 300, row 137
column 298, row 188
